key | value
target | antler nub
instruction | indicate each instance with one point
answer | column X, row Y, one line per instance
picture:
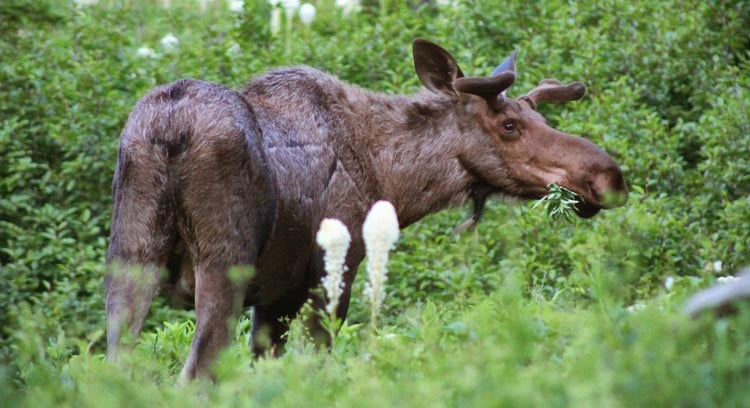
column 553, row 90
column 487, row 88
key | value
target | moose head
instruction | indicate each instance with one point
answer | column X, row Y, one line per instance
column 508, row 146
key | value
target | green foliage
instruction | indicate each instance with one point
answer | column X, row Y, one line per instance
column 494, row 350
column 19, row 14
column 521, row 311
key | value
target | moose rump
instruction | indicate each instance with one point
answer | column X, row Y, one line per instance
column 189, row 166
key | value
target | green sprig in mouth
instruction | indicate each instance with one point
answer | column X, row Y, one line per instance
column 560, row 202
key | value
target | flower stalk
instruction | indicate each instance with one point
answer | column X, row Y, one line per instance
column 334, row 238
column 380, row 232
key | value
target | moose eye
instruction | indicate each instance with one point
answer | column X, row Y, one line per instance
column 509, row 125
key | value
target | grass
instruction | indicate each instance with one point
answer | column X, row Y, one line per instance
column 496, row 350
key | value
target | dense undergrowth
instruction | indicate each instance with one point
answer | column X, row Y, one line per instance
column 521, row 311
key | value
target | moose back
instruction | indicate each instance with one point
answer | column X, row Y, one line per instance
column 208, row 179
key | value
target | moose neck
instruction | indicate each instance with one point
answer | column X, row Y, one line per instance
column 415, row 153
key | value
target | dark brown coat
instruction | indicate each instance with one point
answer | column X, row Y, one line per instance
column 209, row 178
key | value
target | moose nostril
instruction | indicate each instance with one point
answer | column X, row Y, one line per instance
column 594, row 190
column 608, row 188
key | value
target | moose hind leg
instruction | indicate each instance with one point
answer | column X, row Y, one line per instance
column 218, row 298
column 141, row 238
column 228, row 229
column 223, row 263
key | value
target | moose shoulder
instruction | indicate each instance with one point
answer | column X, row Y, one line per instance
column 209, row 178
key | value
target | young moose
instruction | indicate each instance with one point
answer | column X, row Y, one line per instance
column 208, row 179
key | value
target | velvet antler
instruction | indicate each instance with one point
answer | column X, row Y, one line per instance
column 487, row 88
column 492, row 89
column 553, row 90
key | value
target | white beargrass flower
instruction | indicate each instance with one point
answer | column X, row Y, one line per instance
column 348, row 6
column 236, row 6
column 233, row 48
column 669, row 283
column 635, row 308
column 307, row 13
column 380, row 232
column 290, row 6
column 145, row 52
column 85, row 3
column 275, row 20
column 334, row 238
column 718, row 266
column 169, row 42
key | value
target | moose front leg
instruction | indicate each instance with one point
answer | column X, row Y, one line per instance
column 321, row 334
column 318, row 329
column 318, row 324
column 270, row 325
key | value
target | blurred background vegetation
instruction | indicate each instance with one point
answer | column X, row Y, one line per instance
column 521, row 311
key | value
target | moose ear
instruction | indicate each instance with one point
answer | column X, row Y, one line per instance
column 436, row 68
column 508, row 65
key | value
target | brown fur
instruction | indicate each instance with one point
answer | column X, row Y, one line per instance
column 209, row 178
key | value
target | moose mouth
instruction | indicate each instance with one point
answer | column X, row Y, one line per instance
column 586, row 210
column 582, row 208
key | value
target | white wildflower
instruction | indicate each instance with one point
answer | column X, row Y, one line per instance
column 718, row 266
column 169, row 42
column 348, row 6
column 236, row 6
column 727, row 279
column 145, row 52
column 636, row 307
column 275, row 20
column 334, row 238
column 668, row 283
column 85, row 3
column 307, row 13
column 380, row 232
column 234, row 48
column 290, row 6
column 389, row 336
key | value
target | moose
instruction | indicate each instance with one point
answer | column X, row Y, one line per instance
column 209, row 179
